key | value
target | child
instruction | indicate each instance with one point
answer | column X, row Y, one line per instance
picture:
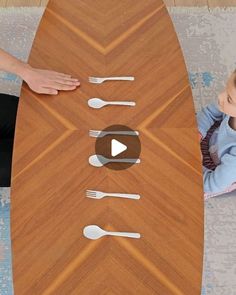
column 40, row 81
column 217, row 127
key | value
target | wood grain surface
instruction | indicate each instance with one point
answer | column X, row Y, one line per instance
column 51, row 149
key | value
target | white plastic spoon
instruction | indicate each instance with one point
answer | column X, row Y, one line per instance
column 99, row 160
column 97, row 103
column 94, row 232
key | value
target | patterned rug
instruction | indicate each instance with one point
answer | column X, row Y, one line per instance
column 208, row 41
column 18, row 28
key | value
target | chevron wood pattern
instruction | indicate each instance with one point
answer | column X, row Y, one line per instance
column 51, row 150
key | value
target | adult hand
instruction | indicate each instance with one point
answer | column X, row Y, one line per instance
column 48, row 82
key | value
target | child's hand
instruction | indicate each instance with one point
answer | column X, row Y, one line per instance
column 200, row 139
column 200, row 136
column 48, row 82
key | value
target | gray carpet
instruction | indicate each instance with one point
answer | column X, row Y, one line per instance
column 208, row 41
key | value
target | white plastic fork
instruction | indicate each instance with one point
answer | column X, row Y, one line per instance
column 99, row 80
column 99, row 195
column 100, row 133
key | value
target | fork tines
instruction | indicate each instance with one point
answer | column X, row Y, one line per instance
column 95, row 79
column 91, row 193
column 94, row 133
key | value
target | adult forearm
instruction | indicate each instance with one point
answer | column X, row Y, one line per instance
column 9, row 63
column 39, row 80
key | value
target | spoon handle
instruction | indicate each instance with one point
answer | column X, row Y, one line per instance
column 122, row 103
column 137, row 161
column 124, row 234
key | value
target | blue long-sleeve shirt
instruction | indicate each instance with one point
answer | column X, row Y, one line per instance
column 225, row 143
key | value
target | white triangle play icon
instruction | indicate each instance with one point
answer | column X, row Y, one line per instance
column 117, row 147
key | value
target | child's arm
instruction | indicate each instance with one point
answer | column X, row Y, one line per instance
column 207, row 117
column 40, row 81
column 223, row 176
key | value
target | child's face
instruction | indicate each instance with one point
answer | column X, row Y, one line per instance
column 227, row 98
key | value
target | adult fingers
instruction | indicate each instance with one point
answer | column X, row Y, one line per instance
column 49, row 91
column 72, row 82
column 64, row 78
column 59, row 86
column 61, row 74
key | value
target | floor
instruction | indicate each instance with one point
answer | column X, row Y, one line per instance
column 209, row 3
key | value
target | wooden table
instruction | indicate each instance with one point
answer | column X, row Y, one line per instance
column 51, row 149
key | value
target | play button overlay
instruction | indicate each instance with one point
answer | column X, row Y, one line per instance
column 120, row 146
column 117, row 147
